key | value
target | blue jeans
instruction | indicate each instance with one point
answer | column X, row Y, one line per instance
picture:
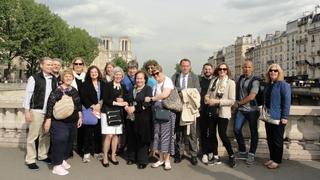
column 252, row 117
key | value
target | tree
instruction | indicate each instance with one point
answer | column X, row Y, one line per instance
column 11, row 30
column 80, row 43
column 31, row 31
column 177, row 68
column 119, row 61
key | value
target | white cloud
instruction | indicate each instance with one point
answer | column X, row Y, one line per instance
column 170, row 30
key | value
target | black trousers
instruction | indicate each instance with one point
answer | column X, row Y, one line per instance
column 275, row 141
column 222, row 124
column 207, row 134
column 137, row 150
column 62, row 136
column 92, row 138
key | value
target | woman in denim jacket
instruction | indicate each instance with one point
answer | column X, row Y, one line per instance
column 277, row 101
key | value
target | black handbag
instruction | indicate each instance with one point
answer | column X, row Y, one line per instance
column 114, row 116
column 162, row 115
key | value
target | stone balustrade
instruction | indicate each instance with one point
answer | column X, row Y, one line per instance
column 301, row 136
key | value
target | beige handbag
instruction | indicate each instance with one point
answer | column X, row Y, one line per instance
column 63, row 108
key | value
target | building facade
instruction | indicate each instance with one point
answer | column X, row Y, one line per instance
column 107, row 52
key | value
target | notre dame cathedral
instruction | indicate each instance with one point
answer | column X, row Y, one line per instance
column 108, row 52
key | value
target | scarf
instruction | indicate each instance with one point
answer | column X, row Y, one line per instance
column 221, row 85
column 79, row 77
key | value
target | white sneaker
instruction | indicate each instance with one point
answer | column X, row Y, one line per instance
column 205, row 159
column 86, row 158
column 59, row 170
column 167, row 165
column 210, row 156
column 65, row 165
column 157, row 164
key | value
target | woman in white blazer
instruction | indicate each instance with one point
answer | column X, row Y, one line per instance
column 220, row 97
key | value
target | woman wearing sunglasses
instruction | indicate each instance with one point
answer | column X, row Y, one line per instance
column 277, row 101
column 163, row 141
column 220, row 97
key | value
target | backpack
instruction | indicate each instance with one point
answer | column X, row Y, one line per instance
column 259, row 96
column 63, row 108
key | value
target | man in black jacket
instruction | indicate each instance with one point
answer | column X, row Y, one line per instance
column 38, row 89
column 185, row 79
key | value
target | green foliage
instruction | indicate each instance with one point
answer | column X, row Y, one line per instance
column 177, row 68
column 32, row 31
column 119, row 61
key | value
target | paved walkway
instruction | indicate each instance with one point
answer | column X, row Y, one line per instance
column 12, row 168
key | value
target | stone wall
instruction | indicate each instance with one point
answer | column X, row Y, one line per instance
column 301, row 136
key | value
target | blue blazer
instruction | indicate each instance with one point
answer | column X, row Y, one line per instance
column 280, row 100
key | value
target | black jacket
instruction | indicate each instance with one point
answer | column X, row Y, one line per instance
column 37, row 98
column 88, row 93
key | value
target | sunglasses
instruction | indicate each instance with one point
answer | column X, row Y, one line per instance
column 273, row 70
column 78, row 64
column 222, row 69
column 155, row 74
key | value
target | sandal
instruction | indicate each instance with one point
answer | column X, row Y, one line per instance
column 273, row 165
column 267, row 163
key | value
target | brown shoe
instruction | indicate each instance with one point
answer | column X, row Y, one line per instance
column 273, row 165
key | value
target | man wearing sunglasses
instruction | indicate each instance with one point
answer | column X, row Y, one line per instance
column 247, row 109
column 183, row 80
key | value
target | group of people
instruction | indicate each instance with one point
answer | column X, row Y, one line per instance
column 115, row 112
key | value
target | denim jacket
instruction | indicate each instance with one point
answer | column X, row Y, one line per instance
column 280, row 100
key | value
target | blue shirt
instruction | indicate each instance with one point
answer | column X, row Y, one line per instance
column 128, row 82
column 280, row 99
column 151, row 82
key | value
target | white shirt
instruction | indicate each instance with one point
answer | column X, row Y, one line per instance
column 185, row 77
column 30, row 91
column 166, row 84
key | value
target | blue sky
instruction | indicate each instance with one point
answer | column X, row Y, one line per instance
column 169, row 30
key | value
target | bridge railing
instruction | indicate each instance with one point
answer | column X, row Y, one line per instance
column 302, row 133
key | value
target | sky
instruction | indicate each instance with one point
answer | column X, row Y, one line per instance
column 169, row 30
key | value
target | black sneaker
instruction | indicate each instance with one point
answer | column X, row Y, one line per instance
column 33, row 166
column 46, row 160
column 214, row 161
column 232, row 161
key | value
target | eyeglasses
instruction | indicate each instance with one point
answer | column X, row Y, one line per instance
column 78, row 64
column 222, row 69
column 155, row 73
column 273, row 70
column 150, row 67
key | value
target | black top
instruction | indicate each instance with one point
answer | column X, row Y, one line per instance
column 37, row 98
column 268, row 94
column 56, row 95
column 110, row 94
column 143, row 115
column 88, row 93
column 204, row 85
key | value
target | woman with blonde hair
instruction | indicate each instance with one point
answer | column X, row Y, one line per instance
column 79, row 72
column 62, row 131
column 78, row 67
column 277, row 101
